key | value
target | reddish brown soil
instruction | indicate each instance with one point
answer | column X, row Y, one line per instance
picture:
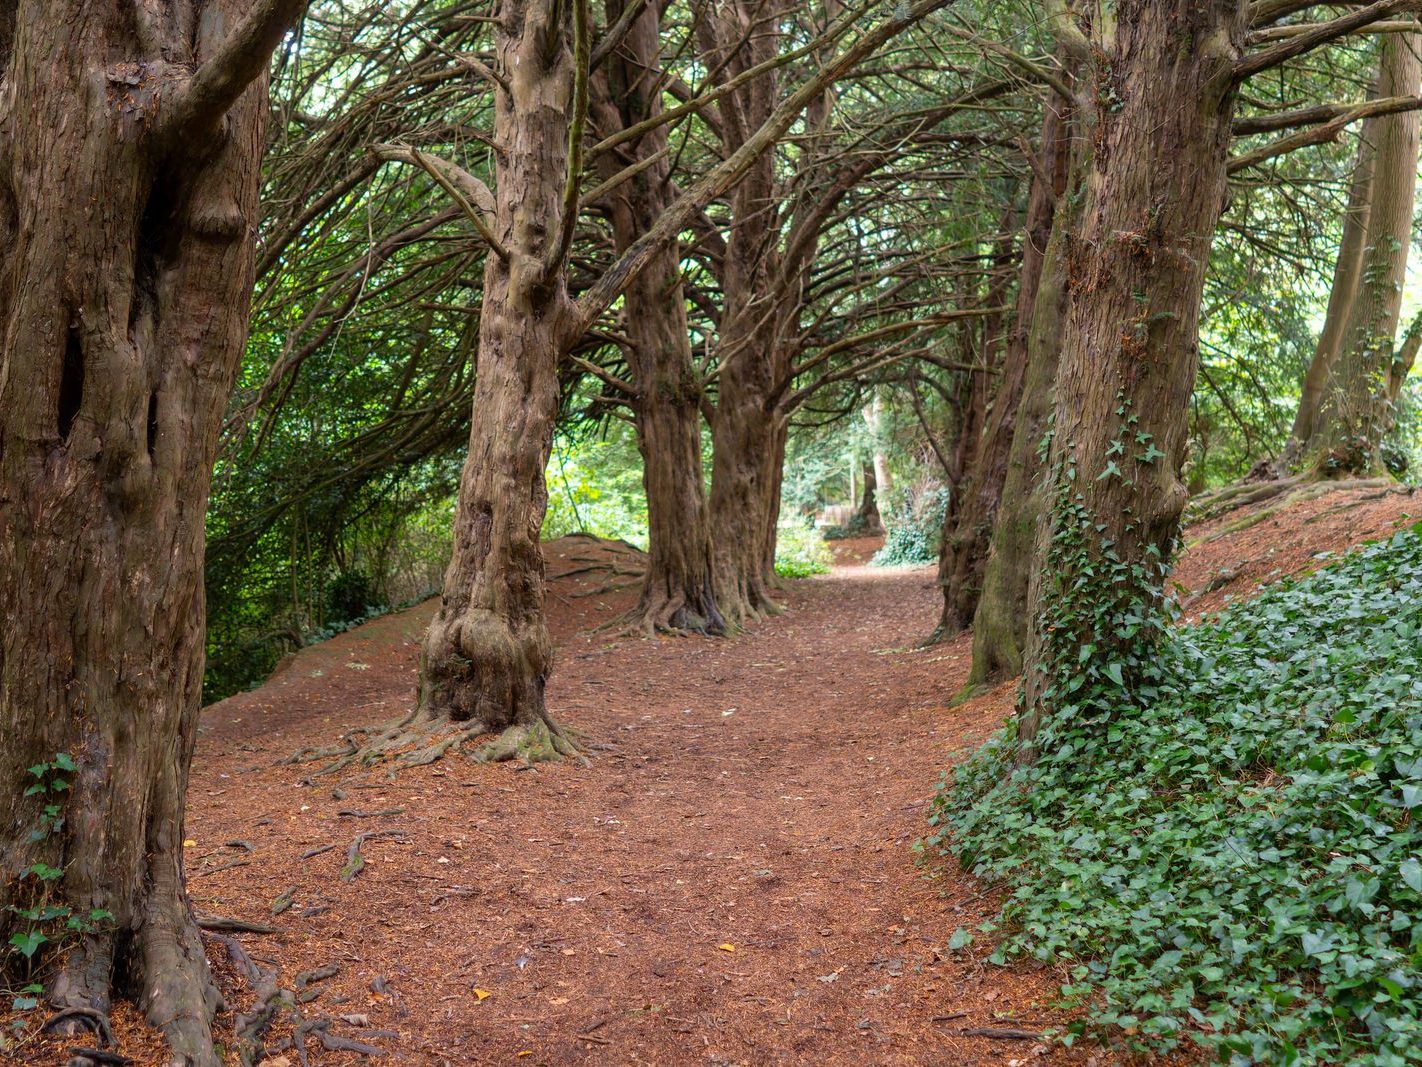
column 731, row 881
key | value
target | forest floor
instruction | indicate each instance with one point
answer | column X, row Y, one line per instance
column 732, row 880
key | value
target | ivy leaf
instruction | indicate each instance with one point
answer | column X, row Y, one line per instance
column 960, row 940
column 1411, row 874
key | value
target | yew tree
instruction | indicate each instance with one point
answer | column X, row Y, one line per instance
column 131, row 135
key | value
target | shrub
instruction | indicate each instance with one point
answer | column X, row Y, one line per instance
column 800, row 551
column 914, row 526
column 1234, row 851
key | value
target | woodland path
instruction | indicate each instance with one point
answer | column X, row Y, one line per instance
column 575, row 914
column 762, row 792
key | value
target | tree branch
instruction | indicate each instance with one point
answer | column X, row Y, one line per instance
column 221, row 78
column 1321, row 33
column 468, row 192
column 1326, row 131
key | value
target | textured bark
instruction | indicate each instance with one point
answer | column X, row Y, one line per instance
column 487, row 653
column 973, row 505
column 1162, row 98
column 1346, row 270
column 126, row 251
column 677, row 592
column 1000, row 613
column 1357, row 409
column 747, row 431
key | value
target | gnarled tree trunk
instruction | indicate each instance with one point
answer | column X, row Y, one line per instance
column 677, row 591
column 129, row 178
column 487, row 654
column 1155, row 188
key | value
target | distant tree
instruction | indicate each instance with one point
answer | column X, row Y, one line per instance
column 130, row 141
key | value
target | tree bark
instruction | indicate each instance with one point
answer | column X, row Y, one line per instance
column 126, row 268
column 868, row 517
column 1346, row 270
column 487, row 654
column 1356, row 415
column 1000, row 613
column 1161, row 99
column 746, row 431
column 677, row 591
column 973, row 505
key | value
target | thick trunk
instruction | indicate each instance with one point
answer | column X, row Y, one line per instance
column 125, row 273
column 972, row 509
column 1346, row 270
column 1155, row 188
column 487, row 654
column 1357, row 409
column 677, row 592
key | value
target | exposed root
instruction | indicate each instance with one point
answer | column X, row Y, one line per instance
column 415, row 742
column 540, row 741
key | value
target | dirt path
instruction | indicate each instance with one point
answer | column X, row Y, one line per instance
column 732, row 882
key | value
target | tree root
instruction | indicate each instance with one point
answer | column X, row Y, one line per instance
column 540, row 741
column 412, row 742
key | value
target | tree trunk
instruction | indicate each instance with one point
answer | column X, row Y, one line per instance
column 1357, row 409
column 973, row 505
column 487, row 655
column 746, row 435
column 1156, row 186
column 1000, row 614
column 1346, row 270
column 869, row 520
column 126, row 268
column 677, row 592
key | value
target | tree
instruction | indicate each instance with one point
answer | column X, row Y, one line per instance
column 130, row 138
column 1155, row 187
column 1356, row 413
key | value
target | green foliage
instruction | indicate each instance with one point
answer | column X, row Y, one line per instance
column 914, row 526
column 800, row 551
column 44, row 918
column 595, row 486
column 1230, row 851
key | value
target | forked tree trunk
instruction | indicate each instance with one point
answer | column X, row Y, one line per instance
column 128, row 206
column 1346, row 270
column 1356, row 415
column 972, row 508
column 487, row 654
column 1155, row 188
column 677, row 591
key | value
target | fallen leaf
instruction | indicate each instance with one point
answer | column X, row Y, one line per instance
column 190, row 843
column 526, row 1052
column 727, row 947
column 481, row 994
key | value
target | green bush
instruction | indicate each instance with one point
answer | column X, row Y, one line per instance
column 800, row 551
column 914, row 526
column 1232, row 853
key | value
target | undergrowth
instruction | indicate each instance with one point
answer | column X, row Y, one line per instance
column 1238, row 858
column 800, row 551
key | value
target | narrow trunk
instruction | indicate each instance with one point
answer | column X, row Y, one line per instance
column 869, row 521
column 972, row 508
column 677, row 592
column 125, row 274
column 1346, row 270
column 1357, row 409
column 1155, row 188
column 487, row 655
